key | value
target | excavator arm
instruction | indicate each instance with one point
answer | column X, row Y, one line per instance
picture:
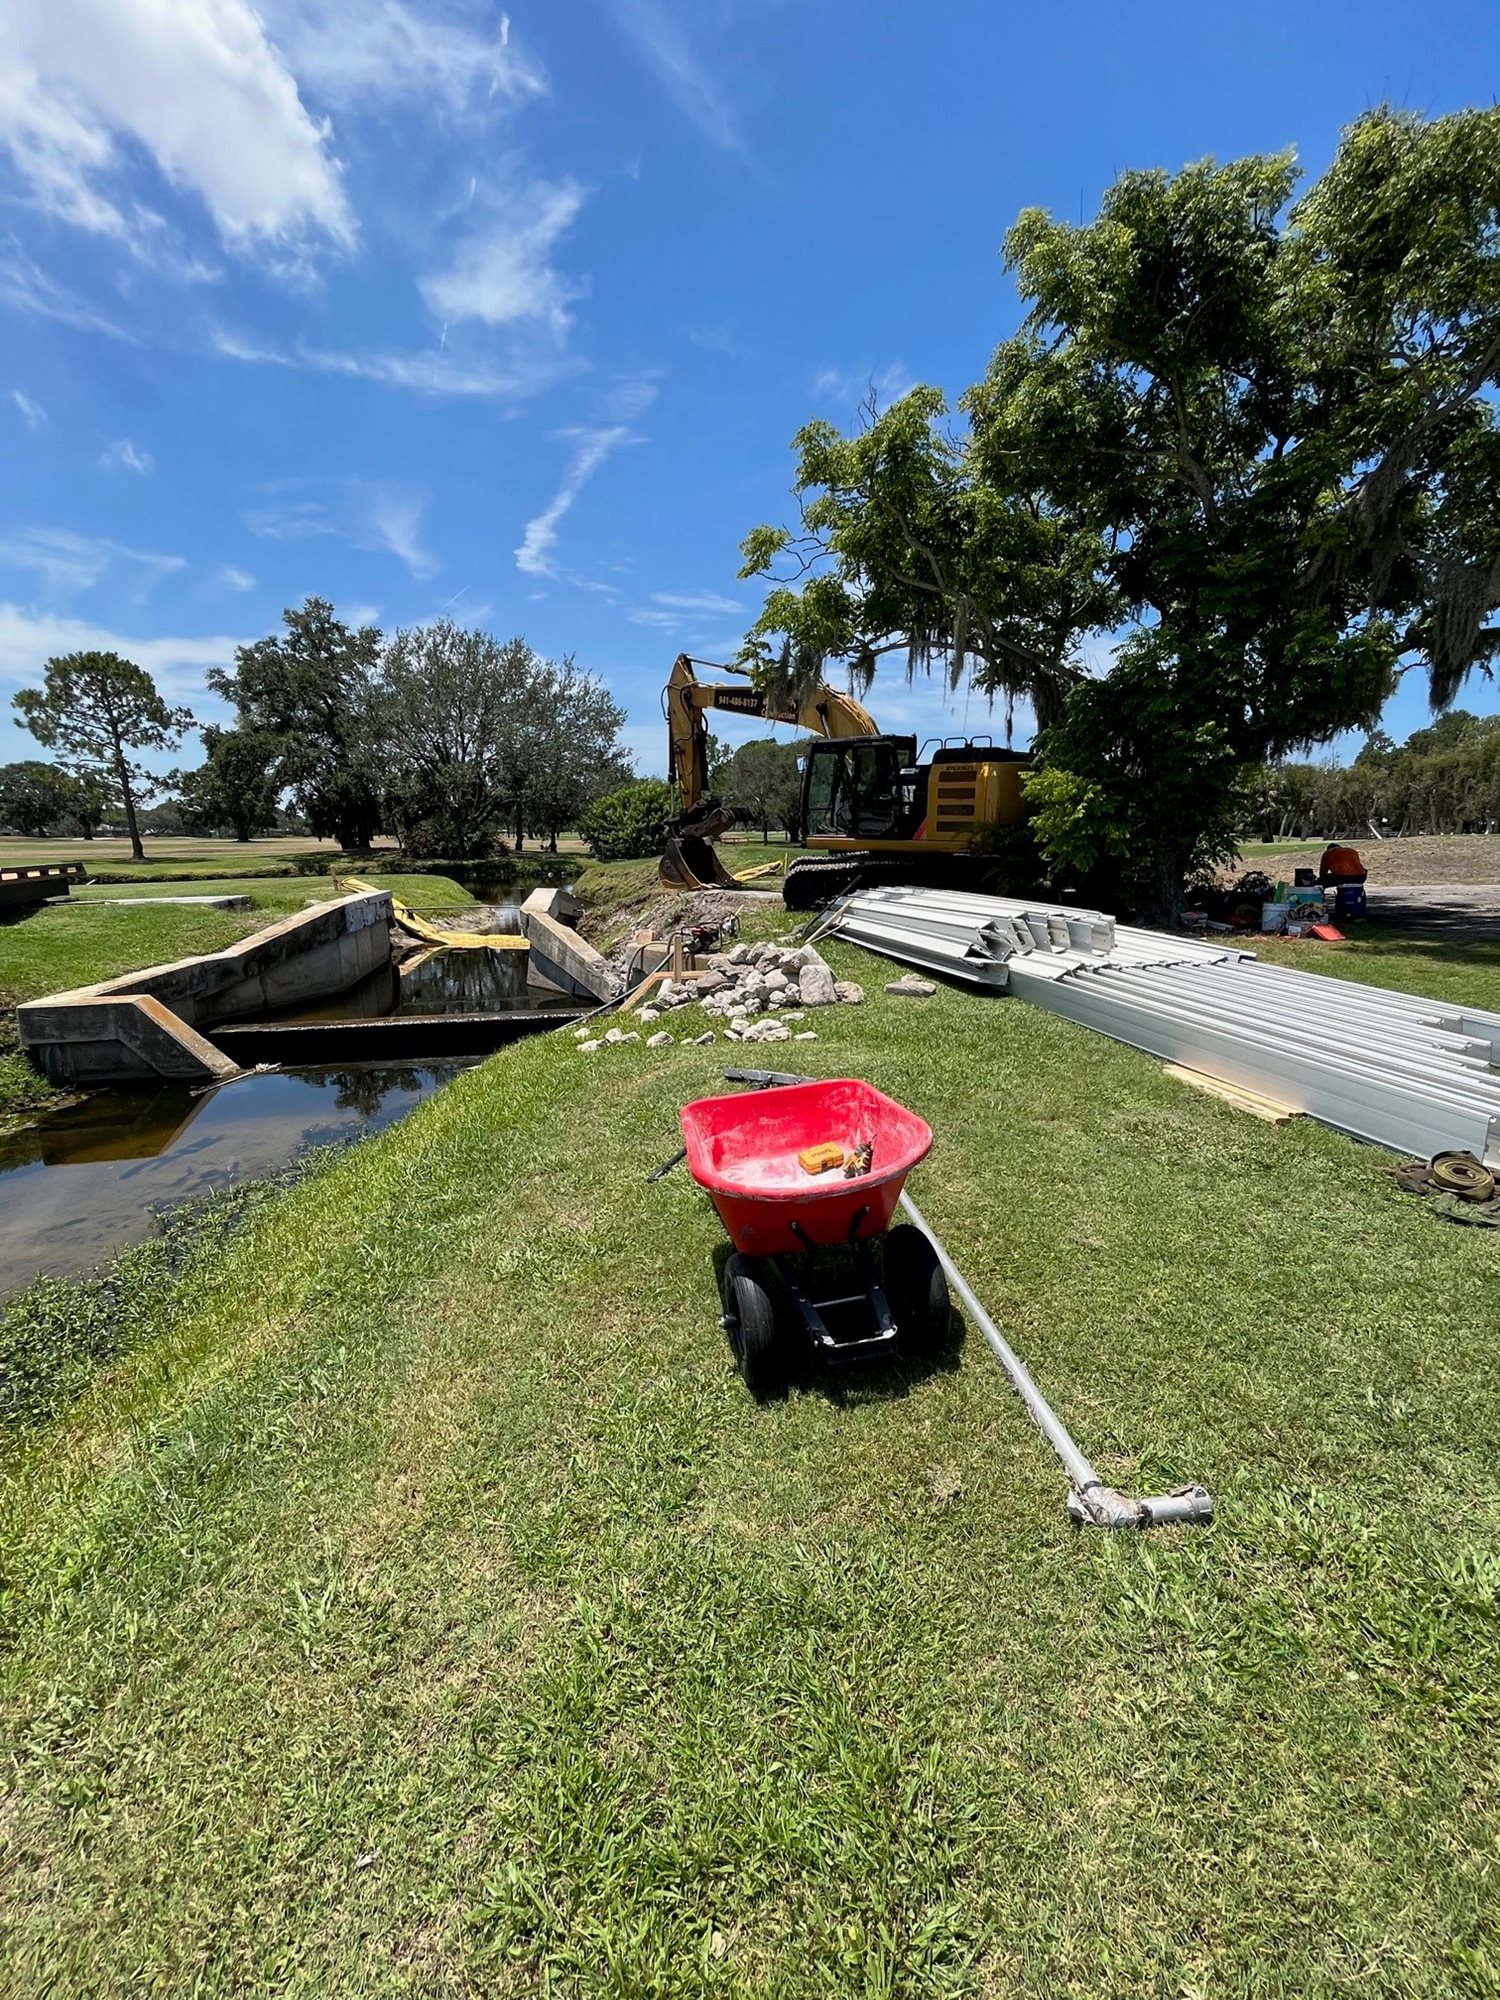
column 689, row 860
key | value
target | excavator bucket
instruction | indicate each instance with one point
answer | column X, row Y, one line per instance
column 690, row 862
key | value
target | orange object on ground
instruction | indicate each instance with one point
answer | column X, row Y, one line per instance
column 1329, row 933
column 818, row 1159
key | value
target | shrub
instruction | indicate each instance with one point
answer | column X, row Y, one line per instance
column 629, row 823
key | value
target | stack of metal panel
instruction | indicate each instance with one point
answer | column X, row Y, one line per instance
column 979, row 938
column 1404, row 1071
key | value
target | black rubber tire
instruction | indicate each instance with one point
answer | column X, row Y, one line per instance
column 916, row 1291
column 754, row 1337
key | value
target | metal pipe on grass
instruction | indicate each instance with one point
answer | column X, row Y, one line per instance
column 1090, row 1501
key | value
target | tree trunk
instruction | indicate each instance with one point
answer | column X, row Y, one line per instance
column 520, row 829
column 137, row 852
column 1165, row 904
column 552, row 842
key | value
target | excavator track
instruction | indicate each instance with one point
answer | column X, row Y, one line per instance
column 815, row 880
column 812, row 882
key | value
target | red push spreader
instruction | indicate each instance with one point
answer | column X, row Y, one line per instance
column 744, row 1149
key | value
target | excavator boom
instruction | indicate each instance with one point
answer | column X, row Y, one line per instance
column 689, row 860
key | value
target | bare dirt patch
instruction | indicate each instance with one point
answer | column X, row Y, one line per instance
column 1421, row 858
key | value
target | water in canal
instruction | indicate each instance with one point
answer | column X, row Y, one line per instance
column 86, row 1181
column 437, row 982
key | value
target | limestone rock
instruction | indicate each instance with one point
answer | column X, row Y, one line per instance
column 647, row 1015
column 848, row 993
column 807, row 1035
column 659, row 1041
column 909, row 987
column 588, row 1048
column 699, row 1040
column 815, row 986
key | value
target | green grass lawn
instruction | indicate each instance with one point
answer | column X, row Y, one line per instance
column 1385, row 955
column 425, row 1609
column 287, row 893
column 168, row 854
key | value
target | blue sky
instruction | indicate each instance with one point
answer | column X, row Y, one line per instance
column 425, row 308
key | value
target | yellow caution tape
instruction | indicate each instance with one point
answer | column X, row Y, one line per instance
column 419, row 926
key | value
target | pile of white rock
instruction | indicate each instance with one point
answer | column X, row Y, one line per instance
column 761, row 992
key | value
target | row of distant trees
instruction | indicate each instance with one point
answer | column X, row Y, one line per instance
column 1443, row 779
column 446, row 738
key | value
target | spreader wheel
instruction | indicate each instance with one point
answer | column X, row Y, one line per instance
column 750, row 1322
column 916, row 1290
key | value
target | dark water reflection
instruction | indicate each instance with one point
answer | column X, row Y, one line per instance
column 440, row 982
column 84, row 1184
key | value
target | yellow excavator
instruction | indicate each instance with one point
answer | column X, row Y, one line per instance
column 869, row 812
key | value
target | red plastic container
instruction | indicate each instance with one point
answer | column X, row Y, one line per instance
column 743, row 1150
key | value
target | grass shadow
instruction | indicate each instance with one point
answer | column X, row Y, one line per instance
column 848, row 1384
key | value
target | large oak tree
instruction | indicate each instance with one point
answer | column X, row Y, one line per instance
column 1242, row 451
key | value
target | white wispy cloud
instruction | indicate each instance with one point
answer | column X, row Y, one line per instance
column 719, row 339
column 377, row 516
column 125, row 456
column 26, row 288
column 590, row 449
column 668, row 53
column 198, row 86
column 502, row 274
column 355, row 52
column 32, row 413
column 28, row 637
column 234, row 578
column 67, row 564
column 434, row 371
column 850, row 386
column 700, row 600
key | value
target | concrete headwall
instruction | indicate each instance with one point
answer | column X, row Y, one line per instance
column 144, row 1024
column 565, row 958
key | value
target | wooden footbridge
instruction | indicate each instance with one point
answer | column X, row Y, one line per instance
column 20, row 887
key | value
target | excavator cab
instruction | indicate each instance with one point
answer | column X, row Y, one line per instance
column 860, row 787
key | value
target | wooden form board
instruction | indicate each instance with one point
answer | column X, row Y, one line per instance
column 1231, row 1093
